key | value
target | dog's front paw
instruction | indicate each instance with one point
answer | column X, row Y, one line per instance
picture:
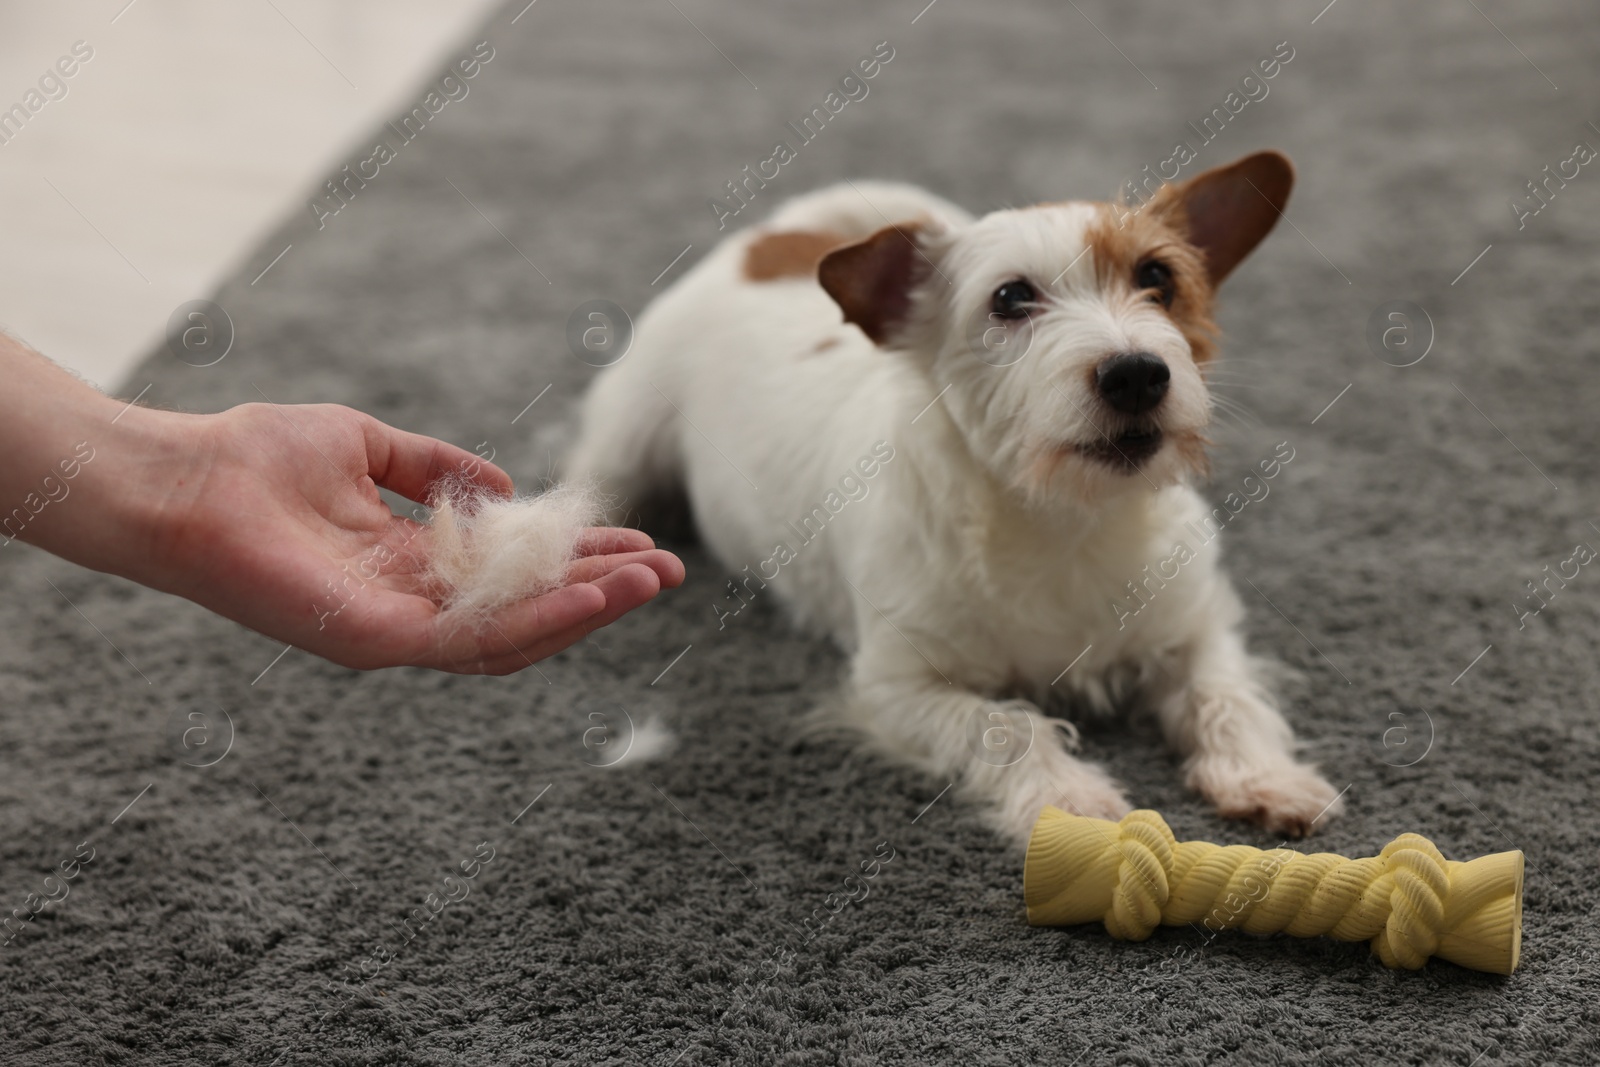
column 1072, row 785
column 1285, row 797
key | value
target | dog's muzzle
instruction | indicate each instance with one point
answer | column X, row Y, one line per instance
column 1127, row 450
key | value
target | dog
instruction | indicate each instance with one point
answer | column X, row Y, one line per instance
column 954, row 444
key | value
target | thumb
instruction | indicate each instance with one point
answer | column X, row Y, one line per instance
column 411, row 464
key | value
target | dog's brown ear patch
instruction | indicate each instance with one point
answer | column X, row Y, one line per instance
column 872, row 280
column 788, row 254
column 1226, row 211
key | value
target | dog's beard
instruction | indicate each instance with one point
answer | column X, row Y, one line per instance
column 1127, row 448
column 1132, row 460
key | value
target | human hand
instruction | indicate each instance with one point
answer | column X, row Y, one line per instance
column 269, row 515
column 282, row 529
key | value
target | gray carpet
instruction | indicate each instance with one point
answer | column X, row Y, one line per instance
column 653, row 915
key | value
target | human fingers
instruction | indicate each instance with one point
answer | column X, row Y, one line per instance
column 461, row 643
column 667, row 567
column 599, row 540
column 411, row 464
column 625, row 589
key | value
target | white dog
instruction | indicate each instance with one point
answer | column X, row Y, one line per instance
column 972, row 476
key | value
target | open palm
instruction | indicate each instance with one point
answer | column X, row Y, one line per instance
column 276, row 523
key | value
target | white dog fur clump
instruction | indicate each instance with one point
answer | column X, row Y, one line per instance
column 488, row 551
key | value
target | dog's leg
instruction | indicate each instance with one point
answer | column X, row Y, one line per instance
column 1238, row 749
column 1005, row 755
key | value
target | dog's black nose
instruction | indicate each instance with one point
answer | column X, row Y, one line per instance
column 1133, row 383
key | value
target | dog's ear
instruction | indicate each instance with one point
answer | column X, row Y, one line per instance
column 1226, row 211
column 872, row 280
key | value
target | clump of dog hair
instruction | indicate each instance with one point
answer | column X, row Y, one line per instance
column 488, row 551
column 652, row 739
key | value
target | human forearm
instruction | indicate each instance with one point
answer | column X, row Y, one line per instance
column 83, row 472
column 270, row 515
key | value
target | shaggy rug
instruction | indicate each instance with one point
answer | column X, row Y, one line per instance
column 242, row 899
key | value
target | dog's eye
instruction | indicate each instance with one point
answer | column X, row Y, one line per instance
column 1012, row 300
column 1156, row 275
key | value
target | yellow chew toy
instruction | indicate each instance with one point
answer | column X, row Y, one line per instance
column 1409, row 900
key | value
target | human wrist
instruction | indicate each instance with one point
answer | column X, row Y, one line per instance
column 138, row 492
column 49, row 416
column 88, row 477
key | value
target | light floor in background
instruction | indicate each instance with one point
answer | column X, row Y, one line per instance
column 182, row 135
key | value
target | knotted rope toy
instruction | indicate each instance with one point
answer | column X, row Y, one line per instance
column 1408, row 900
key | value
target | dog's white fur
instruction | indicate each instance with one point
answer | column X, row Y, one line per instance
column 983, row 556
